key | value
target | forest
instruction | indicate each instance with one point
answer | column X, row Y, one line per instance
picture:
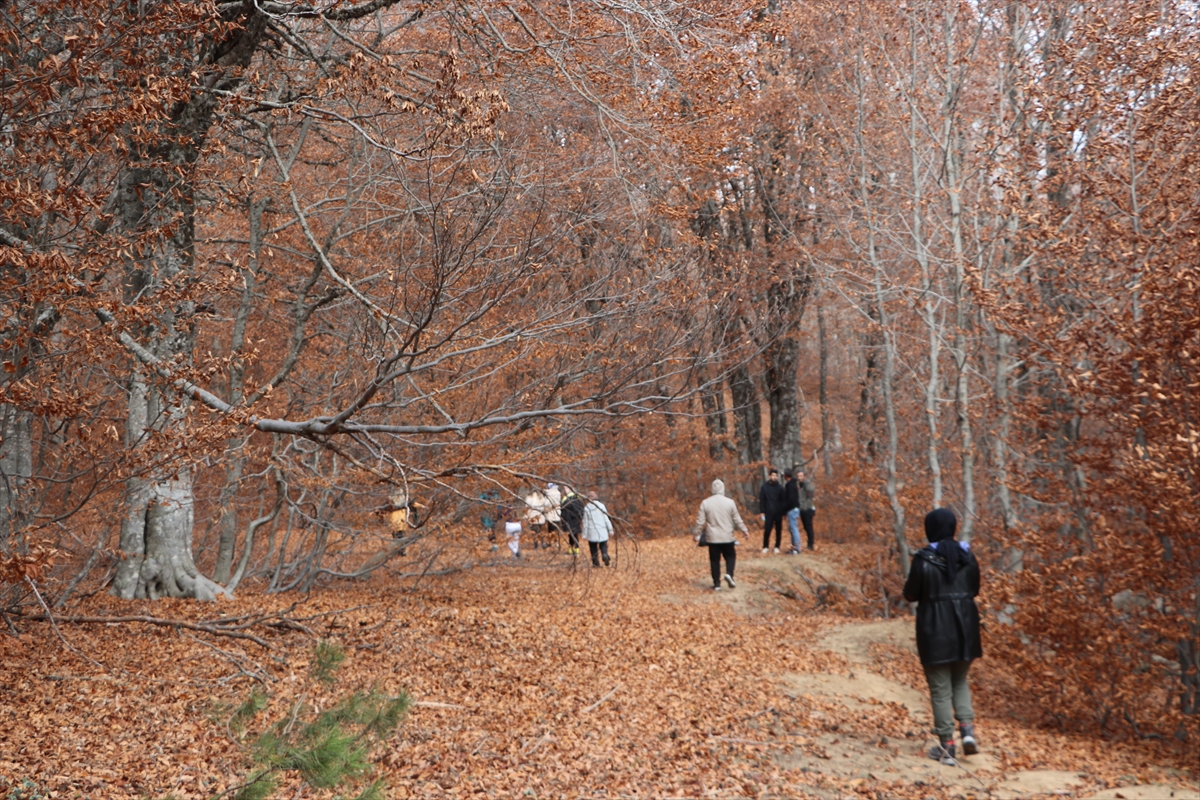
column 272, row 271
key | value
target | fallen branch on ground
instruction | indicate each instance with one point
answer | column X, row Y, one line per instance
column 145, row 620
column 602, row 699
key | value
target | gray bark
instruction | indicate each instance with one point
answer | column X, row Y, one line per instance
column 155, row 201
column 16, row 468
column 823, row 344
column 747, row 426
column 889, row 353
column 133, row 523
column 921, row 248
column 784, row 401
column 235, row 448
column 712, row 401
column 952, row 163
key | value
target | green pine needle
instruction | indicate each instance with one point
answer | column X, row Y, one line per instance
column 327, row 657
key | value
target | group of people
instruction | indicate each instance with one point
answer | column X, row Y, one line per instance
column 943, row 581
column 719, row 519
column 547, row 512
column 793, row 500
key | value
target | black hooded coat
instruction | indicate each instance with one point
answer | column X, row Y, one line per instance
column 947, row 617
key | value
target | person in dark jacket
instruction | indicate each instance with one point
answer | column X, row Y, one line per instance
column 791, row 499
column 772, row 506
column 944, row 581
column 806, row 495
column 572, row 517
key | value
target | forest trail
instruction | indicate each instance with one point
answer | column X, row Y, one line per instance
column 542, row 678
column 843, row 753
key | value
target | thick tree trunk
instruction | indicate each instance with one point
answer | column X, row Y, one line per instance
column 133, row 524
column 168, row 569
column 156, row 203
column 784, row 401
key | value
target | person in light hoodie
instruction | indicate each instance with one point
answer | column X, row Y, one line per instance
column 716, row 522
column 597, row 529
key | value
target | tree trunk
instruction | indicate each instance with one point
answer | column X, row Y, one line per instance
column 712, row 402
column 133, row 524
column 921, row 250
column 823, row 345
column 880, row 308
column 235, row 448
column 747, row 428
column 962, row 398
column 156, row 204
column 235, row 464
column 16, row 468
column 784, row 401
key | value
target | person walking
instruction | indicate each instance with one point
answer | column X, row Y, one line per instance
column 597, row 528
column 572, row 517
column 490, row 499
column 512, row 531
column 944, row 581
column 716, row 522
column 791, row 499
column 553, row 512
column 772, row 507
column 535, row 518
column 806, row 494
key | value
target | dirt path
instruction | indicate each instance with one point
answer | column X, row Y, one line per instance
column 545, row 678
column 867, row 758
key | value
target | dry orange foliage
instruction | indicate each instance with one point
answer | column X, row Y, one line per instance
column 529, row 679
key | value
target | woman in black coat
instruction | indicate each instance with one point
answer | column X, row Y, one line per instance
column 944, row 581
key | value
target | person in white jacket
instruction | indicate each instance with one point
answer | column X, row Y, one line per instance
column 597, row 529
column 715, row 527
column 552, row 511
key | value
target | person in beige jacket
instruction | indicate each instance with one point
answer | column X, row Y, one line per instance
column 716, row 522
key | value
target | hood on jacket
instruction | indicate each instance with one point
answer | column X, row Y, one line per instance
column 718, row 487
column 940, row 525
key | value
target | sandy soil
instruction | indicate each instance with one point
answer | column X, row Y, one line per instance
column 874, row 759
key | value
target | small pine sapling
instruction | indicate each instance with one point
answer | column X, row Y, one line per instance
column 329, row 748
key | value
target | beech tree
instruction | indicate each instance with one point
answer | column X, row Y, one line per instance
column 441, row 274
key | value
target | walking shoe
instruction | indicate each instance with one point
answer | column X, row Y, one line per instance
column 606, row 561
column 765, row 550
column 717, row 588
column 943, row 753
column 729, row 580
column 776, row 549
column 970, row 746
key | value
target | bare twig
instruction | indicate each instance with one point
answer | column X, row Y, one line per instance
column 596, row 704
column 146, row 620
column 257, row 674
column 54, row 625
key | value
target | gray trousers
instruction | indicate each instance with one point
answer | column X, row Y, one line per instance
column 951, row 697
